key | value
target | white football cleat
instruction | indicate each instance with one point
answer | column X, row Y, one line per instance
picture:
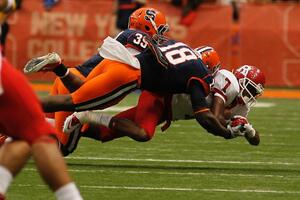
column 71, row 123
column 43, row 63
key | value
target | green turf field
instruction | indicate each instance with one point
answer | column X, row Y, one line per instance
column 187, row 163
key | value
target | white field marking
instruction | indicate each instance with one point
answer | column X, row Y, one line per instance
column 170, row 173
column 182, row 161
column 173, row 189
column 264, row 105
column 122, row 108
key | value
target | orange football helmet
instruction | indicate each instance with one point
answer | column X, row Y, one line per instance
column 148, row 20
column 210, row 58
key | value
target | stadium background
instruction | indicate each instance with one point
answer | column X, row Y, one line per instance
column 267, row 35
column 185, row 162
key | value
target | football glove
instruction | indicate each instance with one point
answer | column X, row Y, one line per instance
column 249, row 130
column 236, row 126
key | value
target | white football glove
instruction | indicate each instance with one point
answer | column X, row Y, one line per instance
column 236, row 126
column 236, row 130
column 249, row 130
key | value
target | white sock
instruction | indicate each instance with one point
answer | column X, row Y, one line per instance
column 51, row 121
column 68, row 192
column 5, row 179
column 94, row 117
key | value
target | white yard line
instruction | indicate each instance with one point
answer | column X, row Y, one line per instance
column 174, row 189
column 264, row 105
column 171, row 173
column 182, row 161
column 122, row 108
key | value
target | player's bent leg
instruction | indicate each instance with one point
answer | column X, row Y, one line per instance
column 113, row 82
column 57, row 89
column 150, row 110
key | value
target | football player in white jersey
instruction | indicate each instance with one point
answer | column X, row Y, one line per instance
column 232, row 94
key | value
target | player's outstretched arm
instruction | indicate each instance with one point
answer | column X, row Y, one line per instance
column 54, row 103
column 202, row 113
column 208, row 121
column 218, row 108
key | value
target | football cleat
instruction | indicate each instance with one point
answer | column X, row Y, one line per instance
column 72, row 142
column 43, row 63
column 71, row 123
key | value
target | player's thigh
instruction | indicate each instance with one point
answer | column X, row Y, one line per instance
column 149, row 111
column 107, row 88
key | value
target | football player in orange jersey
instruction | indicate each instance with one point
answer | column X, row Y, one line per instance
column 142, row 22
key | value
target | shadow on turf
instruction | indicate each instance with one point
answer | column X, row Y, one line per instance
column 185, row 168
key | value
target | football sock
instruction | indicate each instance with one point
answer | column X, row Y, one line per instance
column 68, row 192
column 94, row 117
column 61, row 70
column 6, row 178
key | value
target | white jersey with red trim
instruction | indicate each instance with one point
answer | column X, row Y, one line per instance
column 225, row 86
